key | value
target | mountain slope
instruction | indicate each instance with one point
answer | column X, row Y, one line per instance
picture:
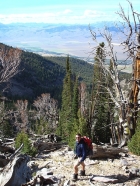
column 39, row 75
column 81, row 68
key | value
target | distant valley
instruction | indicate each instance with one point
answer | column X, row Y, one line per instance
column 56, row 39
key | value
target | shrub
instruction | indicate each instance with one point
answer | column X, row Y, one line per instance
column 7, row 129
column 27, row 147
column 134, row 143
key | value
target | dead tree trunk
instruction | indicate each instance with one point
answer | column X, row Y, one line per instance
column 106, row 151
column 16, row 172
column 130, row 47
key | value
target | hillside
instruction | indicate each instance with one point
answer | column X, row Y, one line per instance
column 81, row 68
column 39, row 75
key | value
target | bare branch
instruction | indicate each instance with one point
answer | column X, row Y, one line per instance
column 9, row 62
column 15, row 153
column 131, row 49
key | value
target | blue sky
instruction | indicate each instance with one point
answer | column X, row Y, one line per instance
column 62, row 11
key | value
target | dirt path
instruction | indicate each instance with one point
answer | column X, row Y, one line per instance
column 61, row 163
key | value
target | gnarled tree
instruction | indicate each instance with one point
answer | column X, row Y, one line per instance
column 47, row 110
column 9, row 62
column 124, row 128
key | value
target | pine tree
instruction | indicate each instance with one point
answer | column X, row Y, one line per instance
column 71, row 120
column 75, row 104
column 75, row 116
column 99, row 113
column 65, row 122
column 23, row 138
column 134, row 143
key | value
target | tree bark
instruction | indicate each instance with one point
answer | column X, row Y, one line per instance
column 5, row 149
column 48, row 146
column 16, row 172
column 106, row 151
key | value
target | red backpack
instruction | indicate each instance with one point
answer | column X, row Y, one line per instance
column 89, row 145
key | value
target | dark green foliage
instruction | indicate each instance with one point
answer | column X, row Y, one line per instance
column 45, row 76
column 71, row 121
column 73, row 132
column 100, row 110
column 134, row 143
column 39, row 75
column 75, row 103
column 36, row 75
column 7, row 129
column 65, row 125
column 83, row 128
column 41, row 127
column 22, row 138
column 80, row 68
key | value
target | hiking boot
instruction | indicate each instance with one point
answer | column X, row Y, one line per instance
column 75, row 177
column 82, row 173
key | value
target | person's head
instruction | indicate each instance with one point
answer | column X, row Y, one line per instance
column 78, row 137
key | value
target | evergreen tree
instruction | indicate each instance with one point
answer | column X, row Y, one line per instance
column 99, row 113
column 134, row 143
column 75, row 104
column 23, row 138
column 79, row 120
column 65, row 122
column 7, row 129
column 83, row 128
column 72, row 120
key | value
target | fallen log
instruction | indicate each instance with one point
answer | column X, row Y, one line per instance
column 3, row 161
column 5, row 149
column 104, row 179
column 15, row 152
column 41, row 180
column 104, row 151
column 47, row 146
column 16, row 172
column 7, row 140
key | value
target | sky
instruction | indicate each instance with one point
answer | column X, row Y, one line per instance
column 62, row 11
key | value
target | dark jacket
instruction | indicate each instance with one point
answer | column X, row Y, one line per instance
column 80, row 150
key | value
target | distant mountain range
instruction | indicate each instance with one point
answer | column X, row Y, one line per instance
column 55, row 39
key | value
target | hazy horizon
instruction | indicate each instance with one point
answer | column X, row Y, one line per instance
column 74, row 41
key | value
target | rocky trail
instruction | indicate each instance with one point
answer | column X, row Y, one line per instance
column 122, row 171
column 53, row 166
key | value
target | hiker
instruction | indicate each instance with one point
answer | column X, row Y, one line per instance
column 80, row 151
